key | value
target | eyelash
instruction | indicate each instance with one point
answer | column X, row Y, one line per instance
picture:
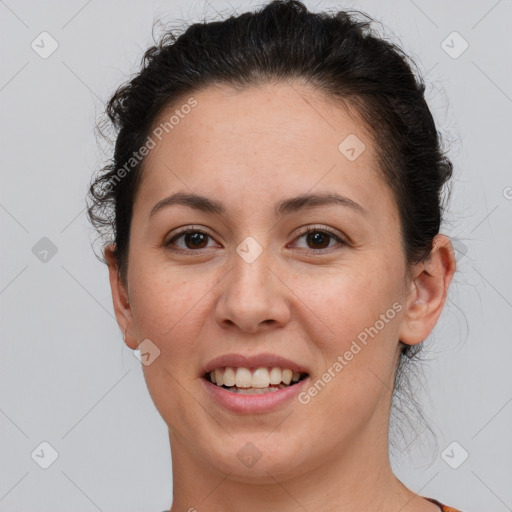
column 309, row 229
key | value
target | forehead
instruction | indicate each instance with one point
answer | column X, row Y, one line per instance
column 284, row 138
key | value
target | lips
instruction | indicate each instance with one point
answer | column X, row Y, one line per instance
column 253, row 400
column 246, row 399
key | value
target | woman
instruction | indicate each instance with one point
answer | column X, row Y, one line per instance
column 275, row 204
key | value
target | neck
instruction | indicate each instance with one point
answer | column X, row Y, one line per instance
column 354, row 477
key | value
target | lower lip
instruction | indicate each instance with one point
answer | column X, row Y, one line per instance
column 251, row 404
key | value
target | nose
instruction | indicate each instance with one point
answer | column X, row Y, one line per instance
column 252, row 296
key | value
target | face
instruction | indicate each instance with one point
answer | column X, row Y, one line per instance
column 249, row 281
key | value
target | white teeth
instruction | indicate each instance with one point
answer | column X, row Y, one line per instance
column 229, row 377
column 259, row 378
column 275, row 376
column 243, row 378
column 255, row 391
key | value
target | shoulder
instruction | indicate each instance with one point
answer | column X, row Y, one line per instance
column 444, row 508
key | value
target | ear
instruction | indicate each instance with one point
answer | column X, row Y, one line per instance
column 428, row 291
column 120, row 298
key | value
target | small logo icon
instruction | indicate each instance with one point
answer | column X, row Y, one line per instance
column 249, row 455
column 44, row 45
column 454, row 455
column 44, row 455
column 351, row 147
column 249, row 249
column 44, row 250
column 147, row 352
column 459, row 248
column 454, row 45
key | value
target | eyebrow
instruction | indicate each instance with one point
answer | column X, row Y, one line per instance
column 284, row 207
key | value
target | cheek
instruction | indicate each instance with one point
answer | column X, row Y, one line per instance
column 356, row 337
column 168, row 309
column 348, row 304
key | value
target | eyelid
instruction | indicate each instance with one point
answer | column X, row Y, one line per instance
column 186, row 229
column 319, row 227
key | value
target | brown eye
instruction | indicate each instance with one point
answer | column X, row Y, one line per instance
column 193, row 239
column 319, row 239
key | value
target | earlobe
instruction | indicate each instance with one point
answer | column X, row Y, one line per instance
column 428, row 292
column 120, row 298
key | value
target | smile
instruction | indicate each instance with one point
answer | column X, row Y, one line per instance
column 254, row 382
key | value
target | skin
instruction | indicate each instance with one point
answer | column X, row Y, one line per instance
column 249, row 150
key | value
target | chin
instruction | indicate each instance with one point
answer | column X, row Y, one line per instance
column 258, row 458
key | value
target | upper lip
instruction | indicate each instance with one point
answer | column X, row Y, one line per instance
column 253, row 362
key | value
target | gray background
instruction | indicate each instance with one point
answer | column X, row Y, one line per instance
column 67, row 378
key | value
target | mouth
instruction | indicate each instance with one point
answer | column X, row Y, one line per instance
column 257, row 381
